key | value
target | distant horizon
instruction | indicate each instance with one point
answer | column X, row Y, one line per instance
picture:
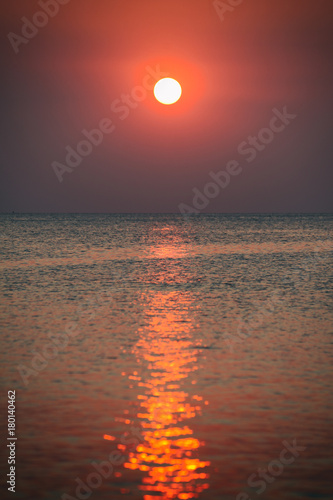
column 166, row 213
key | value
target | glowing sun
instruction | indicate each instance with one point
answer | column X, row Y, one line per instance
column 167, row 91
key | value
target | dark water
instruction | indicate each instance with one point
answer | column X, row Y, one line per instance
column 196, row 351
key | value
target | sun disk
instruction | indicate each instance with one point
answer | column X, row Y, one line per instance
column 167, row 91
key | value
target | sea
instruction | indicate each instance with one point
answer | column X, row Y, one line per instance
column 157, row 357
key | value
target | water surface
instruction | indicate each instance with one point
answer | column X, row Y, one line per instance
column 194, row 348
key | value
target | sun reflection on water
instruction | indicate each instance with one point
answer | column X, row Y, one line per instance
column 169, row 454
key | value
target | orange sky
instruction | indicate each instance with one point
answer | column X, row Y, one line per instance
column 233, row 73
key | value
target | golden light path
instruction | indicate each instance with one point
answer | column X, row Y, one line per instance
column 169, row 454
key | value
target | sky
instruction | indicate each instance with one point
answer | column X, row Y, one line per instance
column 251, row 132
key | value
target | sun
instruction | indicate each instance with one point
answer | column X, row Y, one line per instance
column 167, row 91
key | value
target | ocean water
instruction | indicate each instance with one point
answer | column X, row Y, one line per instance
column 192, row 357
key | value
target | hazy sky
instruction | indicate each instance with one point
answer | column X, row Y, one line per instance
column 71, row 73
